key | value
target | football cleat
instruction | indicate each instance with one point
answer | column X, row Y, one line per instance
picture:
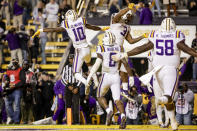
column 109, row 118
column 123, row 123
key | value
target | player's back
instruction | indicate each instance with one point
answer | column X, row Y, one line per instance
column 108, row 65
column 76, row 31
column 165, row 47
column 120, row 31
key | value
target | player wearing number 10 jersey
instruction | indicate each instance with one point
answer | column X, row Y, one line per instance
column 166, row 44
column 75, row 26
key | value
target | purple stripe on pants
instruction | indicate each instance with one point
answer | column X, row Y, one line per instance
column 76, row 62
column 175, row 85
column 100, row 85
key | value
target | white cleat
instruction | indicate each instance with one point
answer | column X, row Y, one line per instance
column 174, row 126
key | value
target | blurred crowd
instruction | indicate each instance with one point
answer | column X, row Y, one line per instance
column 28, row 96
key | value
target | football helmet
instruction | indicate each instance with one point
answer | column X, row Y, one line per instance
column 71, row 15
column 109, row 38
column 128, row 16
column 168, row 24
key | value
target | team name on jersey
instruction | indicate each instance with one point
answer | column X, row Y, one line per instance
column 112, row 49
column 76, row 25
column 167, row 35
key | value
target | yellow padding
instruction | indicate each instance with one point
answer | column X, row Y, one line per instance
column 195, row 104
column 57, row 44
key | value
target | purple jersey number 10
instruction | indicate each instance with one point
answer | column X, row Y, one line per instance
column 164, row 47
column 111, row 62
column 79, row 33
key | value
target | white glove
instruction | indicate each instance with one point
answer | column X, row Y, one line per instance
column 131, row 81
column 118, row 56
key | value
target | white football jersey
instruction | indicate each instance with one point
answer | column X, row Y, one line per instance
column 120, row 31
column 76, row 31
column 108, row 65
column 165, row 50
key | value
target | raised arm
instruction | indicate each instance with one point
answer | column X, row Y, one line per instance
column 117, row 17
column 141, row 49
column 134, row 40
column 95, row 67
column 185, row 48
column 58, row 29
column 135, row 51
column 93, row 27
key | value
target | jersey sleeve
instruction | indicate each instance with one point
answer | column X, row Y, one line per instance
column 84, row 20
column 180, row 36
column 151, row 36
column 64, row 24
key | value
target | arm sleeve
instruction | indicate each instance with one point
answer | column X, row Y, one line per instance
column 22, row 79
column 95, row 66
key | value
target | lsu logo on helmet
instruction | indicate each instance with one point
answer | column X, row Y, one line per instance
column 71, row 15
column 168, row 24
column 109, row 38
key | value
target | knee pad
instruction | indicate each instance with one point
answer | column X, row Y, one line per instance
column 170, row 105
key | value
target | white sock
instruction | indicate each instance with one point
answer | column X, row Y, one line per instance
column 108, row 110
column 159, row 113
column 79, row 77
column 96, row 83
column 122, row 115
column 125, row 86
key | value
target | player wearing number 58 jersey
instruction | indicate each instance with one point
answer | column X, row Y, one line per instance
column 75, row 26
column 167, row 44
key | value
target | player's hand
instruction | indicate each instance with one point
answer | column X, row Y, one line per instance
column 37, row 32
column 118, row 56
column 145, row 35
column 105, row 28
column 131, row 81
column 131, row 5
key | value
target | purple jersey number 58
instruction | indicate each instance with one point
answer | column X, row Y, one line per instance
column 164, row 47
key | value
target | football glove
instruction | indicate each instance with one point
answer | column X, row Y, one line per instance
column 105, row 28
column 145, row 35
column 37, row 32
column 131, row 5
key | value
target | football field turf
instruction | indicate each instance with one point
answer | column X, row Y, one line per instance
column 93, row 128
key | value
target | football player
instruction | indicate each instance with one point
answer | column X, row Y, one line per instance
column 167, row 44
column 110, row 76
column 120, row 28
column 75, row 27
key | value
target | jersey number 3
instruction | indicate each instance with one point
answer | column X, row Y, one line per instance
column 164, row 47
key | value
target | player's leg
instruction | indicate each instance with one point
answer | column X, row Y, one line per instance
column 115, row 89
column 87, row 60
column 169, row 77
column 77, row 65
column 101, row 91
column 158, row 93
